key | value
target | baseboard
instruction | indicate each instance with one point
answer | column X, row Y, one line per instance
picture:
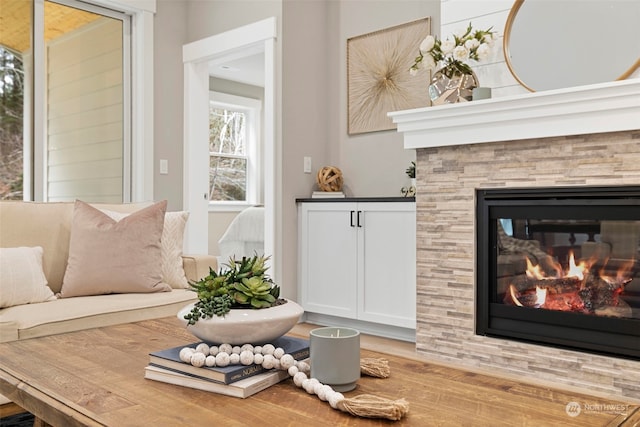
column 377, row 329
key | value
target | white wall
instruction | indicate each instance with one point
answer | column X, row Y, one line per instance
column 373, row 164
column 170, row 23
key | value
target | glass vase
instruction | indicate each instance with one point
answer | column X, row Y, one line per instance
column 449, row 90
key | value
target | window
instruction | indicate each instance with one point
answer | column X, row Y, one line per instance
column 234, row 154
column 67, row 94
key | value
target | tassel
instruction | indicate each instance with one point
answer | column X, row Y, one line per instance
column 369, row 406
column 372, row 367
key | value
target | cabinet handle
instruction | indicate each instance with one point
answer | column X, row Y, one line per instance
column 351, row 218
column 359, row 225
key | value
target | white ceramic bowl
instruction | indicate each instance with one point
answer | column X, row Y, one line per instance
column 245, row 326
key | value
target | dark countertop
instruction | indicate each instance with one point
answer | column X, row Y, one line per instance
column 355, row 199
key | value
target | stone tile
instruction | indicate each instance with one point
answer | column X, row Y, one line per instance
column 447, row 179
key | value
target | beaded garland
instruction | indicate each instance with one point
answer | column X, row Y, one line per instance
column 271, row 357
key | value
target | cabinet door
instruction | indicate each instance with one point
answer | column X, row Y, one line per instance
column 328, row 258
column 387, row 263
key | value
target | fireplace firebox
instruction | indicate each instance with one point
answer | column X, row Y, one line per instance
column 560, row 266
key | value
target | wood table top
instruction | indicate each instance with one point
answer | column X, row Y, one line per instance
column 96, row 377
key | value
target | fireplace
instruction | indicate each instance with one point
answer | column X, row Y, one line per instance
column 561, row 267
column 579, row 137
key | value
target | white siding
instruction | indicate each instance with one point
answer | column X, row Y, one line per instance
column 85, row 114
column 492, row 73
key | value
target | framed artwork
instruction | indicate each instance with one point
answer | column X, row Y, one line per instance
column 378, row 79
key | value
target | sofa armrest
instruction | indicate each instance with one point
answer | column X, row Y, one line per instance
column 197, row 266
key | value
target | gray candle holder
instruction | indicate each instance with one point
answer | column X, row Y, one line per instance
column 335, row 357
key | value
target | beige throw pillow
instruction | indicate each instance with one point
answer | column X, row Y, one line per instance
column 172, row 245
column 108, row 256
column 22, row 280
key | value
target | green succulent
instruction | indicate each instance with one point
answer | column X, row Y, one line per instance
column 256, row 291
column 239, row 284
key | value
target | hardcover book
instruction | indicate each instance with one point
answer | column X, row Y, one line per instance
column 242, row 388
column 170, row 359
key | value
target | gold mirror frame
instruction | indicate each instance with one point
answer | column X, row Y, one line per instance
column 507, row 57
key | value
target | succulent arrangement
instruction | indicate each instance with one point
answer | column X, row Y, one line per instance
column 238, row 284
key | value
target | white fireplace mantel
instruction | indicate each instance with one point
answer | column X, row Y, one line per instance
column 607, row 107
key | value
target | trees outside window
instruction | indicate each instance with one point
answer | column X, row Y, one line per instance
column 234, row 159
column 11, row 124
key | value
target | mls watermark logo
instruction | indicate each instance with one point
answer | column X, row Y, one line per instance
column 573, row 409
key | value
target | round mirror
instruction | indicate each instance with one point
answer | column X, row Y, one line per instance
column 552, row 45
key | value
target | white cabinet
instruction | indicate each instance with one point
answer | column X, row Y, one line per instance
column 357, row 260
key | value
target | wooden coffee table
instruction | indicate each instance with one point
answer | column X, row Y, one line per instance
column 96, row 378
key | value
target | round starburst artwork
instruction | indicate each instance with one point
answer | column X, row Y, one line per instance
column 378, row 76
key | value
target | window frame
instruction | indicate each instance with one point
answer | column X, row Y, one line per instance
column 253, row 111
column 138, row 156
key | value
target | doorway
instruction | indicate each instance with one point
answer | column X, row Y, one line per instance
column 242, row 42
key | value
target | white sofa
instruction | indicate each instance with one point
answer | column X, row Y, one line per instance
column 48, row 225
column 27, row 226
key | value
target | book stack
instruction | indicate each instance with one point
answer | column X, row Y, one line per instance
column 234, row 380
column 327, row 194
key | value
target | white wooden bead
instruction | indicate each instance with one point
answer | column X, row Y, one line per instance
column 268, row 349
column 258, row 359
column 276, row 364
column 299, row 378
column 327, row 391
column 334, row 398
column 225, row 348
column 303, row 367
column 310, row 385
column 293, row 370
column 203, row 348
column 213, row 350
column 246, row 357
column 317, row 389
column 222, row 359
column 287, row 361
column 269, row 361
column 234, row 359
column 305, row 384
column 236, row 349
column 210, row 361
column 185, row 354
column 278, row 352
column 247, row 347
column 257, row 349
column 197, row 359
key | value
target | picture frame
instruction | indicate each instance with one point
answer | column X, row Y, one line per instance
column 378, row 79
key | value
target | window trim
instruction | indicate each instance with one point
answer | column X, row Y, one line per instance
column 253, row 110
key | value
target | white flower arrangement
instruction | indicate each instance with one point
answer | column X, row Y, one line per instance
column 453, row 52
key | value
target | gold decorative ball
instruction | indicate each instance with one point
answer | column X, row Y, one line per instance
column 329, row 178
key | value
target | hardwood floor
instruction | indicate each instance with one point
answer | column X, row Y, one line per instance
column 481, row 398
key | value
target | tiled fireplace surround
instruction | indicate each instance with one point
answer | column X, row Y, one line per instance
column 447, row 176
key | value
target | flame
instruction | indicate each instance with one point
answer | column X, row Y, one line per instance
column 514, row 298
column 624, row 272
column 534, row 271
column 541, row 296
column 575, row 270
